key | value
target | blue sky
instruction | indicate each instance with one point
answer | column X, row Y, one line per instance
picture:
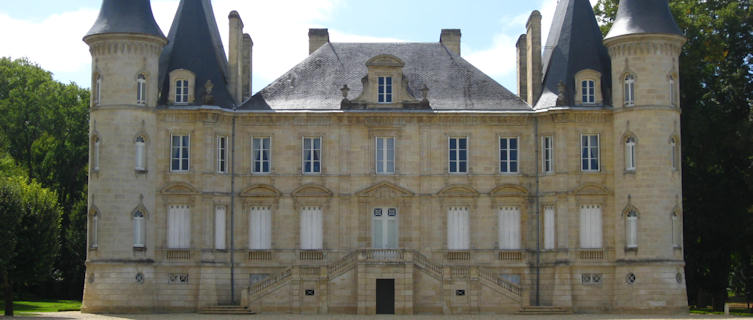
column 49, row 32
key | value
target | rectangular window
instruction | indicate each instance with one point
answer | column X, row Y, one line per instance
column 312, row 152
column 587, row 92
column 384, row 230
column 261, row 154
column 141, row 89
column 221, row 154
column 311, row 228
column 181, row 91
column 549, row 227
column 179, row 155
column 179, row 227
column 509, row 228
column 385, row 90
column 458, row 154
column 508, row 155
column 589, row 152
column 138, row 229
column 631, row 230
column 219, row 227
column 547, row 154
column 458, row 232
column 385, row 155
column 260, row 228
column 630, row 154
column 590, row 227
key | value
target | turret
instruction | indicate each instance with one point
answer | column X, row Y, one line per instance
column 644, row 45
column 125, row 43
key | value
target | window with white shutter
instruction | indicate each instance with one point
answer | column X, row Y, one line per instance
column 590, row 227
column 384, row 228
column 311, row 228
column 139, row 229
column 549, row 227
column 631, row 229
column 219, row 227
column 260, row 228
column 140, row 154
column 630, row 154
column 458, row 232
column 179, row 227
column 509, row 228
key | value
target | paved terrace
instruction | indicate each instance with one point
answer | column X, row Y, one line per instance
column 194, row 316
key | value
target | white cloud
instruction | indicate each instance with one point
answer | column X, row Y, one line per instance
column 54, row 43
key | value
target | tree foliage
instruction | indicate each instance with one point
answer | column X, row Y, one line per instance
column 716, row 77
column 44, row 127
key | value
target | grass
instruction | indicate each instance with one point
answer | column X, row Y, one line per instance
column 21, row 307
column 742, row 312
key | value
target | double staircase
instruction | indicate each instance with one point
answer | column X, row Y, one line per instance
column 382, row 256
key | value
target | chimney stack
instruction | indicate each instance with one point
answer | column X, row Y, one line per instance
column 522, row 63
column 317, row 38
column 235, row 65
column 450, row 38
column 247, row 59
column 533, row 52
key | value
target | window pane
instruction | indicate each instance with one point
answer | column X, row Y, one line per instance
column 514, row 167
column 453, row 143
column 462, row 167
column 594, row 141
column 513, row 155
column 317, row 143
column 462, row 143
column 513, row 143
column 453, row 166
column 462, row 155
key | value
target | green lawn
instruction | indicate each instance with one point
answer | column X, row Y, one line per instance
column 732, row 311
column 42, row 306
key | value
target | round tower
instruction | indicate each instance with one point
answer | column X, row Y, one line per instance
column 125, row 43
column 644, row 45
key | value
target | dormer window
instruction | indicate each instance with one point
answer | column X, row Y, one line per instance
column 385, row 90
column 141, row 89
column 181, row 91
column 588, row 95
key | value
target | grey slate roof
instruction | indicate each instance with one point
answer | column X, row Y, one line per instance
column 643, row 16
column 195, row 44
column 454, row 84
column 574, row 44
column 121, row 16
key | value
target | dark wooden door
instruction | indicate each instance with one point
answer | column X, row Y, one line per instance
column 385, row 296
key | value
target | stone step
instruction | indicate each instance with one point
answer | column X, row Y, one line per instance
column 225, row 310
column 544, row 310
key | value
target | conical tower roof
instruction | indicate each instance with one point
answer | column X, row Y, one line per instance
column 574, row 44
column 643, row 16
column 195, row 45
column 125, row 16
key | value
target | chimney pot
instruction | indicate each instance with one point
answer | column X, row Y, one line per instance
column 450, row 38
column 317, row 38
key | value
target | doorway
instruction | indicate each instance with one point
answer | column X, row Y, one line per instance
column 385, row 296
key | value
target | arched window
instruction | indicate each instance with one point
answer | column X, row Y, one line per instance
column 629, row 90
column 630, row 154
column 588, row 91
column 676, row 230
column 141, row 89
column 140, row 154
column 631, row 229
column 94, row 231
column 95, row 154
column 672, row 92
column 98, row 89
column 674, row 153
column 139, row 229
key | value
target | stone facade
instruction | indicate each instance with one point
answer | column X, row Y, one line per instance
column 342, row 276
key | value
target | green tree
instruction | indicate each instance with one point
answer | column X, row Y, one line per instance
column 716, row 76
column 30, row 237
column 44, row 125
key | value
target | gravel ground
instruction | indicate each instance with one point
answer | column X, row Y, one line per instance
column 194, row 316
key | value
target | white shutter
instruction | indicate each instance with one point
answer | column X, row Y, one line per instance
column 392, row 233
column 139, row 155
column 631, row 230
column 549, row 228
column 458, row 235
column 509, row 228
column 311, row 228
column 377, row 233
column 138, row 231
column 179, row 227
column 590, row 226
column 172, row 227
column 260, row 228
column 219, row 227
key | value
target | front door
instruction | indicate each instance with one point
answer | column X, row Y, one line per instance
column 384, row 228
column 385, row 296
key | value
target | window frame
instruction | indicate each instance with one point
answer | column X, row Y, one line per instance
column 180, row 159
column 181, row 91
column 457, row 155
column 631, row 229
column 630, row 154
column 312, row 150
column 139, row 223
column 220, row 243
column 221, row 149
column 261, row 162
column 628, row 90
column 263, row 240
column 509, row 151
column 463, row 238
column 589, row 148
column 547, row 154
column 588, row 91
column 385, row 161
column 385, row 89
column 141, row 89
